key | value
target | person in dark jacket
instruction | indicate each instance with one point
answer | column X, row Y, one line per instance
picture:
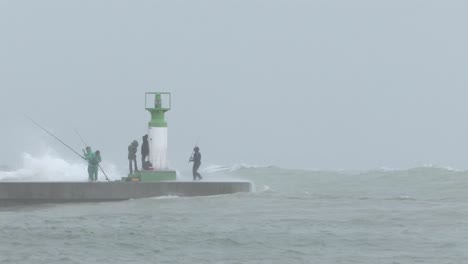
column 144, row 152
column 132, row 150
column 196, row 159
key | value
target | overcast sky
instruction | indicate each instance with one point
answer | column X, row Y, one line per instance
column 300, row 84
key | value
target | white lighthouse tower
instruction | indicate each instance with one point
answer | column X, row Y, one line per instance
column 157, row 131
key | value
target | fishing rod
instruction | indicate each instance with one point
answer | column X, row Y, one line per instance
column 84, row 143
column 81, row 138
column 61, row 141
column 54, row 136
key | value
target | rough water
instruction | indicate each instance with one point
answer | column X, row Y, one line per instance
column 294, row 216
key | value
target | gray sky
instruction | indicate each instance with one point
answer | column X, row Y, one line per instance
column 300, row 84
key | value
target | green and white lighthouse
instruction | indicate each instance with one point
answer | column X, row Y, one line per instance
column 157, row 130
column 157, row 103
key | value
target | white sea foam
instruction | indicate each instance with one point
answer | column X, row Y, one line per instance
column 431, row 166
column 166, row 197
column 266, row 188
column 214, row 169
column 49, row 167
column 449, row 168
column 220, row 168
column 385, row 169
column 240, row 166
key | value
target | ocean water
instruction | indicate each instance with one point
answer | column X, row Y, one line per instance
column 293, row 216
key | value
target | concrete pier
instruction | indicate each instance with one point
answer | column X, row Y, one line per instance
column 60, row 192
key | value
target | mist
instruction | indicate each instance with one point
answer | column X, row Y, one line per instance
column 297, row 84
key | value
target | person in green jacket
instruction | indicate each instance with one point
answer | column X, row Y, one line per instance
column 93, row 159
column 97, row 159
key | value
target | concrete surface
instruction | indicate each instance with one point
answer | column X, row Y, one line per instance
column 57, row 192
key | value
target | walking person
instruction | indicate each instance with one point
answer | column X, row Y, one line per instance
column 196, row 159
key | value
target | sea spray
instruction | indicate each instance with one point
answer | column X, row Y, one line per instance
column 50, row 167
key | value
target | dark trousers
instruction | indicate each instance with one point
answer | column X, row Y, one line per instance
column 143, row 159
column 130, row 167
column 195, row 168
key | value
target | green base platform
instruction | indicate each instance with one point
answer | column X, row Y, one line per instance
column 151, row 176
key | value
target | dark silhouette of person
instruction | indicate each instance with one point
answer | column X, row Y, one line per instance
column 196, row 159
column 132, row 150
column 144, row 152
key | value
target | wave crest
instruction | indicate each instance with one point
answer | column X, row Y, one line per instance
column 49, row 167
column 235, row 167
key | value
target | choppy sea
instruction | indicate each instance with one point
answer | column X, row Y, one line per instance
column 418, row 215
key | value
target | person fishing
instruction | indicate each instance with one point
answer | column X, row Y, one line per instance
column 93, row 159
column 97, row 159
column 144, row 152
column 132, row 151
column 94, row 163
column 196, row 159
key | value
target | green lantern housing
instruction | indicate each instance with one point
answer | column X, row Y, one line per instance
column 158, row 108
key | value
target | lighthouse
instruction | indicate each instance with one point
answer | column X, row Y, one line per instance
column 157, row 130
column 157, row 104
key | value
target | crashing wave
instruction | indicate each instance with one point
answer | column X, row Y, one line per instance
column 235, row 167
column 49, row 168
